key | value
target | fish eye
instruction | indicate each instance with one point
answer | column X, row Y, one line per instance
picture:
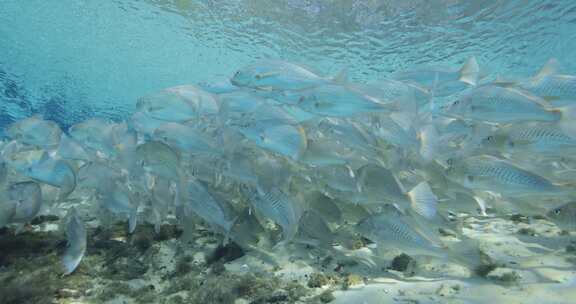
column 490, row 138
column 557, row 211
column 316, row 104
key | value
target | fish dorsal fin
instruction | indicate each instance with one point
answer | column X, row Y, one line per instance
column 44, row 158
column 470, row 71
column 341, row 77
column 552, row 66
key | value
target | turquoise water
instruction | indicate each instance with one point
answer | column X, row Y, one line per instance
column 293, row 207
column 97, row 57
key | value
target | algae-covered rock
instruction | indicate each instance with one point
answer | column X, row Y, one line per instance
column 225, row 253
column 446, row 290
column 326, row 296
column 484, row 269
column 519, row 218
column 403, row 263
column 527, row 231
column 317, row 280
column 351, row 280
column 504, row 276
column 125, row 268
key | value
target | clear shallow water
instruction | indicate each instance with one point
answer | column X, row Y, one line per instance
column 71, row 59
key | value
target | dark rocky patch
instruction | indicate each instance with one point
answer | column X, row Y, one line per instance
column 225, row 253
column 402, row 262
column 44, row 219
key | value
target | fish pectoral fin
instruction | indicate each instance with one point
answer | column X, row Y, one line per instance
column 266, row 75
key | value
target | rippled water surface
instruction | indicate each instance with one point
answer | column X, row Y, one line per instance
column 97, row 57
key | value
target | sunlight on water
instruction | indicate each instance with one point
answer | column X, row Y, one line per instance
column 103, row 55
column 289, row 151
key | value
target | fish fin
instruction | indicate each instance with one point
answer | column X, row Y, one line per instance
column 133, row 221
column 403, row 119
column 423, row 201
column 429, row 142
column 70, row 263
column 551, row 98
column 504, row 83
column 266, row 75
column 229, row 225
column 76, row 241
column 341, row 77
column 45, row 157
column 481, row 204
column 470, row 71
column 466, row 252
column 69, row 183
column 552, row 66
column 568, row 120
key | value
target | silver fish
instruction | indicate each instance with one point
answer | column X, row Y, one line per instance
column 489, row 173
column 313, row 226
column 35, row 131
column 28, row 199
column 117, row 198
column 564, row 216
column 159, row 158
column 185, row 138
column 95, row 135
column 498, row 104
column 530, row 138
column 178, row 104
column 550, row 84
column 198, row 200
column 56, row 173
column 76, row 236
column 435, row 76
column 277, row 75
column 273, row 203
column 393, row 229
column 340, row 101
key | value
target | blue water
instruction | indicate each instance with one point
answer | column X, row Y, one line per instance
column 71, row 59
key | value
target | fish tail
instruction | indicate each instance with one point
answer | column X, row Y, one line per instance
column 228, row 229
column 568, row 120
column 133, row 220
column 467, row 253
column 423, row 200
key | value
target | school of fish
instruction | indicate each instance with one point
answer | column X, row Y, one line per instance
column 278, row 154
